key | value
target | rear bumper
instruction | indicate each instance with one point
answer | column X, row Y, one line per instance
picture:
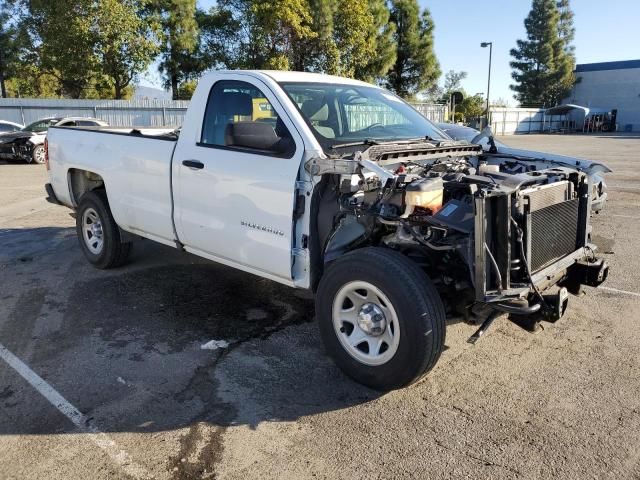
column 51, row 195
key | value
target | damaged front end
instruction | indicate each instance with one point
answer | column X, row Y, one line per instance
column 490, row 233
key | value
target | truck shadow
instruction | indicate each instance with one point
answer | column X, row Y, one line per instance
column 125, row 346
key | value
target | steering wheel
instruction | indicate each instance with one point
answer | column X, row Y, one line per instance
column 374, row 125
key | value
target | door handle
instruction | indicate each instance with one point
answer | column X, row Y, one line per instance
column 193, row 164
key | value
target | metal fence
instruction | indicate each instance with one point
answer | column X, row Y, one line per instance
column 138, row 113
column 509, row 121
column 119, row 113
column 435, row 112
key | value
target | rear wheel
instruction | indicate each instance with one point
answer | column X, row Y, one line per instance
column 38, row 154
column 98, row 232
column 380, row 318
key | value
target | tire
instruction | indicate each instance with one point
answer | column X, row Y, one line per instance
column 37, row 156
column 413, row 318
column 101, row 244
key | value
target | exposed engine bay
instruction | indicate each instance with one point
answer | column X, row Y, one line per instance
column 487, row 229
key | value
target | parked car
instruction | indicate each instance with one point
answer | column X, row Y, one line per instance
column 6, row 126
column 596, row 175
column 27, row 144
column 346, row 191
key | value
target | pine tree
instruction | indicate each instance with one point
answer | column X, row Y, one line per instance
column 566, row 30
column 565, row 52
column 416, row 67
column 543, row 64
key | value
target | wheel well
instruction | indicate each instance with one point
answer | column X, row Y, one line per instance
column 81, row 182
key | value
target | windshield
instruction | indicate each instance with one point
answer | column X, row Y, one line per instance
column 41, row 125
column 341, row 114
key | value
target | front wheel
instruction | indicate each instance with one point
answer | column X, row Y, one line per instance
column 98, row 232
column 380, row 318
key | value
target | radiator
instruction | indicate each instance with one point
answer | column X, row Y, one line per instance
column 553, row 233
column 552, row 220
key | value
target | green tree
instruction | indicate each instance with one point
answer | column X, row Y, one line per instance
column 179, row 39
column 219, row 36
column 354, row 36
column 29, row 81
column 381, row 34
column 9, row 47
column 566, row 30
column 416, row 67
column 471, row 107
column 565, row 52
column 125, row 42
column 318, row 53
column 62, row 42
column 186, row 89
column 543, row 63
column 268, row 31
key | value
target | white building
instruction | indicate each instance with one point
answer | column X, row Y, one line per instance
column 610, row 86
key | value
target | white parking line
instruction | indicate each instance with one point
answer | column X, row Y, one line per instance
column 119, row 456
column 623, row 187
column 633, row 217
column 619, row 291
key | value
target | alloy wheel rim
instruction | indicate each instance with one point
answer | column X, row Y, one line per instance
column 366, row 323
column 39, row 155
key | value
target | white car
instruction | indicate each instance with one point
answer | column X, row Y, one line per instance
column 27, row 143
column 342, row 188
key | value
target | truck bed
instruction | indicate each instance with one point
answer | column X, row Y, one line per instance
column 135, row 165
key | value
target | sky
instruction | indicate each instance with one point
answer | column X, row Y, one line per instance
column 605, row 31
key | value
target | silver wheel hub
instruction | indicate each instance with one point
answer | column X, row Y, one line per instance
column 366, row 323
column 92, row 233
column 39, row 154
column 371, row 319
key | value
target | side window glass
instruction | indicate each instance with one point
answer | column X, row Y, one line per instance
column 69, row 124
column 239, row 116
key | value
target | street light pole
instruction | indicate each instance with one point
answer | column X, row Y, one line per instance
column 490, row 45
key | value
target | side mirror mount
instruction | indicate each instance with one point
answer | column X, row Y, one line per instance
column 488, row 134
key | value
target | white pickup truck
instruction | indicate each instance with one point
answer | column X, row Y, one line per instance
column 340, row 187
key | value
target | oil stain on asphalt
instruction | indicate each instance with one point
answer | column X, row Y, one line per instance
column 169, row 307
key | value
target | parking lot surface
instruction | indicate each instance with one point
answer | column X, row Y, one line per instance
column 103, row 374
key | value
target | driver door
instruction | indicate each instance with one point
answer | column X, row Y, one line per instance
column 234, row 186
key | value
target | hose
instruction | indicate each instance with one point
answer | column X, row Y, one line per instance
column 495, row 267
column 526, row 265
